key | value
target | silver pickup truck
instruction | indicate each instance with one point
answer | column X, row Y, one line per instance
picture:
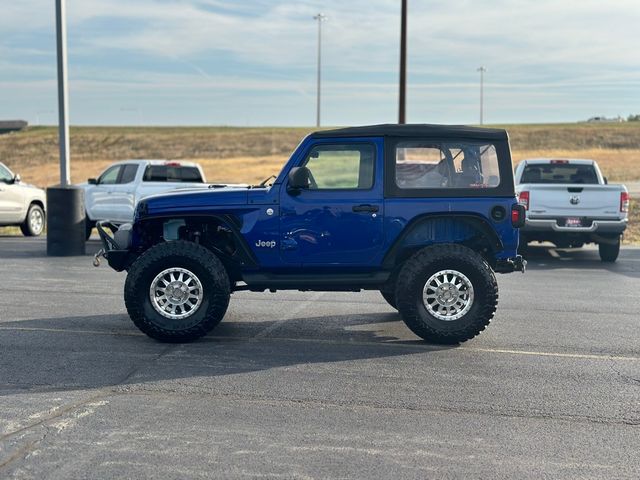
column 21, row 204
column 569, row 203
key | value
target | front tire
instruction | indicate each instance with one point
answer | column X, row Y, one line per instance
column 609, row 251
column 177, row 292
column 446, row 294
column 33, row 225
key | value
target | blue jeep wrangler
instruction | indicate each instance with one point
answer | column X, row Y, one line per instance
column 423, row 213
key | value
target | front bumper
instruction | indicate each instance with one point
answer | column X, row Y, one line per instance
column 115, row 249
column 591, row 226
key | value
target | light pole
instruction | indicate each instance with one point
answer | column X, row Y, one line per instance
column 63, row 101
column 65, row 202
column 403, row 64
column 482, row 70
column 320, row 18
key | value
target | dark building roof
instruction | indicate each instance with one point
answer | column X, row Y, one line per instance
column 415, row 130
column 12, row 125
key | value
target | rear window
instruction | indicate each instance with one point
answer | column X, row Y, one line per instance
column 559, row 173
column 172, row 173
column 446, row 165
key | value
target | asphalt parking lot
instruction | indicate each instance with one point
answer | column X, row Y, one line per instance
column 320, row 385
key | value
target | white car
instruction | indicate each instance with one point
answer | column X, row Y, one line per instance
column 569, row 203
column 114, row 194
column 21, row 204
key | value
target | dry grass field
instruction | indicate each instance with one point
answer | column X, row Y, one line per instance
column 230, row 154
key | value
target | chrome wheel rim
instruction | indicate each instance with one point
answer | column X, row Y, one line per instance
column 176, row 293
column 448, row 295
column 36, row 220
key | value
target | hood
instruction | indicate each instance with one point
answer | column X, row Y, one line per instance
column 192, row 200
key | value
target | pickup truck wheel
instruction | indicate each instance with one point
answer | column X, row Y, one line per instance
column 446, row 293
column 177, row 291
column 609, row 251
column 33, row 224
column 390, row 296
column 88, row 228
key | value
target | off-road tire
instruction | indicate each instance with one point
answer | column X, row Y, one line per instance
column 390, row 296
column 26, row 227
column 182, row 254
column 413, row 277
column 609, row 251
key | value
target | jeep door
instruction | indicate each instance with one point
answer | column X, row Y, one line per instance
column 337, row 219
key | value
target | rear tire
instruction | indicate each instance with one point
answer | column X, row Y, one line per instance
column 201, row 283
column 390, row 296
column 609, row 251
column 34, row 223
column 446, row 294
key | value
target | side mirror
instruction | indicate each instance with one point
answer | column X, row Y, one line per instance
column 606, row 182
column 298, row 180
column 92, row 181
column 17, row 178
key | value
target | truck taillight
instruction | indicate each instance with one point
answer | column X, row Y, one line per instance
column 624, row 202
column 523, row 199
column 518, row 215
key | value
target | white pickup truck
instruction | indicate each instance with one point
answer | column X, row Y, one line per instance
column 570, row 203
column 114, row 194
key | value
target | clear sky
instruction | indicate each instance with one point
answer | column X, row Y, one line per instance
column 252, row 62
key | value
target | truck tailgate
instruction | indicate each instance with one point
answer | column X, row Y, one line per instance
column 601, row 201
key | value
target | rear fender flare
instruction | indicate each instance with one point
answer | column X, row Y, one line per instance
column 431, row 229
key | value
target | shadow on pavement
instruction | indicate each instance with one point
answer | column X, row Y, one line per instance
column 62, row 354
column 544, row 257
column 35, row 247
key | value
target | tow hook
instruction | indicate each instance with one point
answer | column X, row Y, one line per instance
column 96, row 257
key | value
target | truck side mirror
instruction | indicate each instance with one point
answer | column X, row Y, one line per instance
column 606, row 182
column 92, row 181
column 17, row 178
column 298, row 180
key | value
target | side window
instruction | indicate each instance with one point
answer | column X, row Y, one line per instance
column 425, row 165
column 341, row 167
column 5, row 174
column 110, row 176
column 128, row 173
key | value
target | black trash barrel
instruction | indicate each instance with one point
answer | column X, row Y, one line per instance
column 65, row 221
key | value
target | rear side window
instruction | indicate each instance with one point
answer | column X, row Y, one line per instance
column 172, row 173
column 559, row 173
column 128, row 174
column 426, row 165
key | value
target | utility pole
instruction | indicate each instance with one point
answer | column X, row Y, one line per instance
column 482, row 70
column 403, row 64
column 320, row 18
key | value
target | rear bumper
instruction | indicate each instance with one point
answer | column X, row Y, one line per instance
column 554, row 225
column 508, row 265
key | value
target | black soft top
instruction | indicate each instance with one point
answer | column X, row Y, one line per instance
column 415, row 130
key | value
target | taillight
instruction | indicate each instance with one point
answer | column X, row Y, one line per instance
column 624, row 202
column 518, row 215
column 523, row 199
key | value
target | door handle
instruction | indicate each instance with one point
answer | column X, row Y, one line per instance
column 365, row 208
